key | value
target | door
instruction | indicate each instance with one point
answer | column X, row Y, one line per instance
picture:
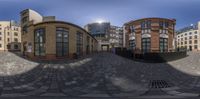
column 190, row 48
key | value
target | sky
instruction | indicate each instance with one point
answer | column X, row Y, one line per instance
column 117, row 12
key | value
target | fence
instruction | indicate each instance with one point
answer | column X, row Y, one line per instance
column 151, row 57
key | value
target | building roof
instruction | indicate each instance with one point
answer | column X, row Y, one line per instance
column 188, row 28
column 173, row 20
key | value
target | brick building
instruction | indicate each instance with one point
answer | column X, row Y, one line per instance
column 150, row 35
column 46, row 38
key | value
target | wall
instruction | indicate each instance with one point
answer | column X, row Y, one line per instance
column 154, row 34
column 50, row 28
column 5, row 28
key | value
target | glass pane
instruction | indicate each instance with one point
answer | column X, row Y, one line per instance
column 65, row 39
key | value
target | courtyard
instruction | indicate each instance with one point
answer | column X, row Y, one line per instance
column 100, row 75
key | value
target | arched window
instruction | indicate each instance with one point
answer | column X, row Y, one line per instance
column 79, row 43
column 62, row 42
column 146, row 45
column 163, row 44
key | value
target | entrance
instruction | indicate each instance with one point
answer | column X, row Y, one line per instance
column 24, row 48
column 105, row 47
column 190, row 48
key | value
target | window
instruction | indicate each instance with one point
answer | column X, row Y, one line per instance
column 190, row 42
column 132, row 44
column 163, row 44
column 0, row 33
column 8, row 33
column 163, row 24
column 8, row 46
column 185, row 42
column 39, row 41
column 25, row 29
column 195, row 32
column 146, row 24
column 195, row 37
column 146, row 45
column 165, row 31
column 88, row 45
column 132, row 29
column 24, row 13
column 185, row 38
column 0, row 45
column 15, row 33
column 0, row 38
column 62, row 42
column 25, row 19
column 190, row 33
column 79, row 43
column 195, row 46
column 190, row 37
column 8, row 39
column 15, row 39
column 195, row 41
column 16, row 46
column 16, row 29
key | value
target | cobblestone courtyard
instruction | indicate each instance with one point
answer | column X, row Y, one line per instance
column 102, row 75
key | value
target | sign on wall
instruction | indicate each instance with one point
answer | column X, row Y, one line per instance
column 29, row 48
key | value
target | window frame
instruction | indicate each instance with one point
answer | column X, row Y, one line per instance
column 163, row 42
column 62, row 44
column 38, row 42
column 147, row 43
column 79, row 43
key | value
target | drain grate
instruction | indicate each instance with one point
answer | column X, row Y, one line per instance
column 159, row 84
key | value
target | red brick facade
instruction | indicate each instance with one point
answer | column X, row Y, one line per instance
column 155, row 28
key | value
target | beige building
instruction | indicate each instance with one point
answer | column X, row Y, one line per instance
column 10, row 36
column 47, row 38
column 189, row 38
column 116, row 36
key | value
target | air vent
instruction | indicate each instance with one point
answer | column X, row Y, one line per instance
column 159, row 84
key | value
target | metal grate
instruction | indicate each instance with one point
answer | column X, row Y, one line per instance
column 159, row 84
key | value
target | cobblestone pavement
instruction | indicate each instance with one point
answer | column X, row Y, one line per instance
column 103, row 75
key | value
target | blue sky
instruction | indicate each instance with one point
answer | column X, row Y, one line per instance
column 117, row 12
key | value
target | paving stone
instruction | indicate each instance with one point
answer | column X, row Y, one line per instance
column 13, row 95
column 92, row 76
column 53, row 94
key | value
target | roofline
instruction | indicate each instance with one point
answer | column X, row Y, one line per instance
column 173, row 20
column 31, row 10
column 65, row 23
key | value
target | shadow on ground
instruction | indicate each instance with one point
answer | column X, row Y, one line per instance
column 102, row 75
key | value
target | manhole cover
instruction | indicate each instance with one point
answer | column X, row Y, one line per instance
column 159, row 84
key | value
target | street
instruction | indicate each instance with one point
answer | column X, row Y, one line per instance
column 101, row 75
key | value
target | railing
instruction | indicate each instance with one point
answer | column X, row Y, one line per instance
column 151, row 57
